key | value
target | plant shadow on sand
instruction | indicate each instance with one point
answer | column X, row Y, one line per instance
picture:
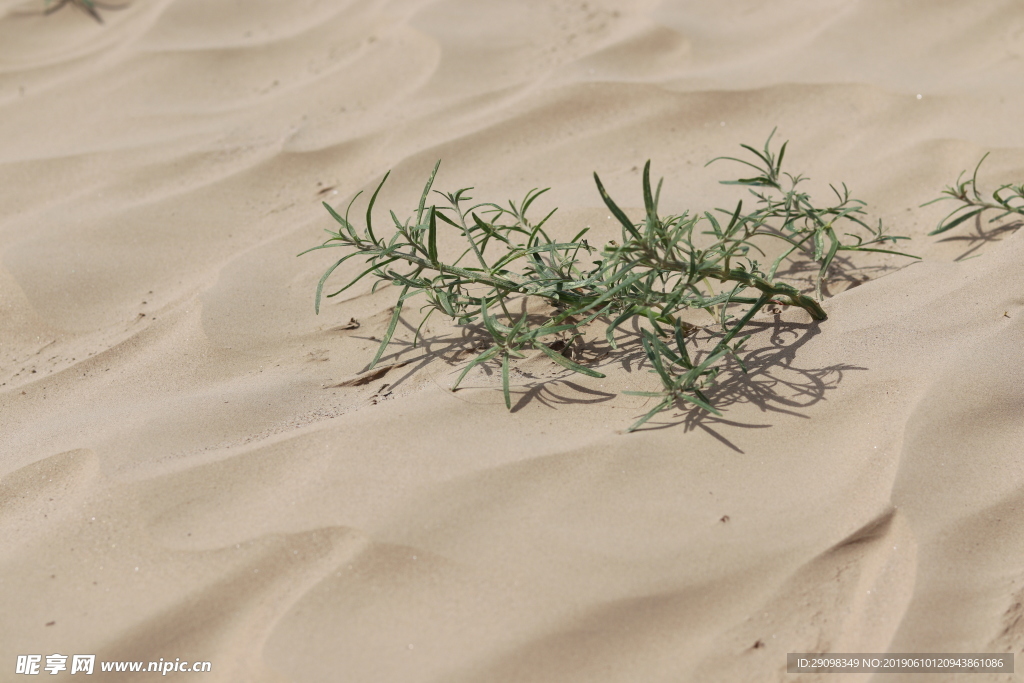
column 774, row 382
column 982, row 236
column 454, row 348
column 844, row 274
column 87, row 7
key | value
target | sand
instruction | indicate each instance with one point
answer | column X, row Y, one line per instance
column 184, row 473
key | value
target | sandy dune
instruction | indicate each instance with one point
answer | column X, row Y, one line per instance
column 187, row 469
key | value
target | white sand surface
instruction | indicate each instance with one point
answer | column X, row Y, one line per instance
column 181, row 475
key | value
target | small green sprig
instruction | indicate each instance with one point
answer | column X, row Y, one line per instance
column 655, row 274
column 1007, row 199
column 789, row 214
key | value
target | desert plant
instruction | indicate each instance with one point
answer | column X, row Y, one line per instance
column 1007, row 199
column 662, row 267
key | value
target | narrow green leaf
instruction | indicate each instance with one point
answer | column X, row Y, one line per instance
column 702, row 404
column 649, row 342
column 398, row 224
column 548, row 330
column 735, row 217
column 391, row 328
column 625, row 283
column 447, row 220
column 880, row 251
column 481, row 358
column 742, row 161
column 514, row 331
column 426, row 191
column 974, row 178
column 320, row 285
column 616, row 211
column 416, row 337
column 333, row 245
column 489, row 322
column 432, row 234
column 714, row 225
column 827, row 260
column 681, row 343
column 446, row 303
column 952, row 224
column 369, row 208
column 530, row 197
column 652, row 214
column 762, row 156
column 504, row 381
column 568, row 364
column 342, row 221
column 609, row 333
column 355, row 280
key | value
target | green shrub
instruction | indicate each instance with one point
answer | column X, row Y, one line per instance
column 656, row 272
